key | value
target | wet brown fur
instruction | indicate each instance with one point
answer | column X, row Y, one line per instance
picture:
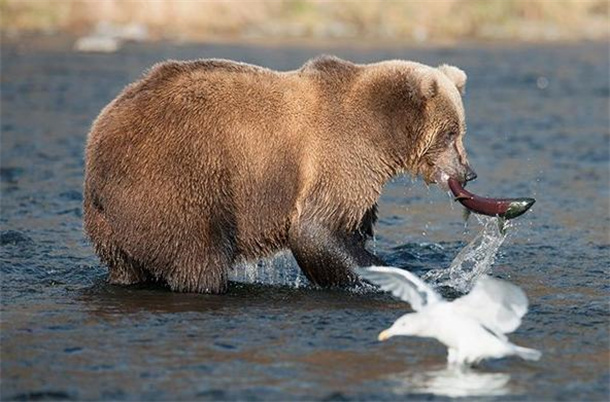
column 201, row 164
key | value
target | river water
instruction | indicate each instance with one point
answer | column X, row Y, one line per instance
column 538, row 126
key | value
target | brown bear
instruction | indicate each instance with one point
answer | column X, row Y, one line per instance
column 202, row 164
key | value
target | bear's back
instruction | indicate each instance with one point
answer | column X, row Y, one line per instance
column 173, row 75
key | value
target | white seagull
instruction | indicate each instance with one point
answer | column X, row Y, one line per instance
column 473, row 327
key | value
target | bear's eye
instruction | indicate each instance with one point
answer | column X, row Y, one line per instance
column 451, row 135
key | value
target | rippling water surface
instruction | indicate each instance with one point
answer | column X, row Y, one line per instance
column 538, row 126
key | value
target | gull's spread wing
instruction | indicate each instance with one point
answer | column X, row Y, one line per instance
column 496, row 304
column 402, row 283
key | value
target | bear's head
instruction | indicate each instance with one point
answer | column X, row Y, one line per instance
column 428, row 121
column 443, row 154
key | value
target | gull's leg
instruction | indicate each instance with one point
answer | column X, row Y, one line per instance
column 455, row 359
column 452, row 356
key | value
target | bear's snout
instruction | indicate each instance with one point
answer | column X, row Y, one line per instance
column 463, row 174
column 470, row 174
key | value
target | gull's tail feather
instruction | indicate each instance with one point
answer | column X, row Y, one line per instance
column 527, row 353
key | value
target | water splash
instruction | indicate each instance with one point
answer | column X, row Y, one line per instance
column 282, row 269
column 474, row 260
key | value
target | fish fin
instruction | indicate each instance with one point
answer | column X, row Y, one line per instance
column 502, row 225
column 466, row 214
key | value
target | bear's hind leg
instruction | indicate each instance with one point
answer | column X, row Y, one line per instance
column 122, row 269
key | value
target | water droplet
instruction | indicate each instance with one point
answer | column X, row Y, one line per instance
column 542, row 82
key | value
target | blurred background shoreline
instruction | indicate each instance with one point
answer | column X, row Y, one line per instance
column 104, row 25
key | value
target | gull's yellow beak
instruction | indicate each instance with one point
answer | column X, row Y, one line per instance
column 384, row 335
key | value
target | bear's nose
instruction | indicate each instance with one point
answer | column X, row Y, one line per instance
column 470, row 174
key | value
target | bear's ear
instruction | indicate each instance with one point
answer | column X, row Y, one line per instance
column 457, row 76
column 427, row 86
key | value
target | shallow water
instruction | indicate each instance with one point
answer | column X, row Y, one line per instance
column 538, row 126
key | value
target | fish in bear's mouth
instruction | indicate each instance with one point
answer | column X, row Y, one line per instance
column 507, row 208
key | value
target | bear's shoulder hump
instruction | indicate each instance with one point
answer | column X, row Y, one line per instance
column 328, row 64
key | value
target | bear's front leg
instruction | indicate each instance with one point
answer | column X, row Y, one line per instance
column 326, row 257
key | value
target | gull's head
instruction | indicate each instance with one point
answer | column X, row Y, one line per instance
column 407, row 325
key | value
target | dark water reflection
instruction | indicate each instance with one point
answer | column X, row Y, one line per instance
column 65, row 334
